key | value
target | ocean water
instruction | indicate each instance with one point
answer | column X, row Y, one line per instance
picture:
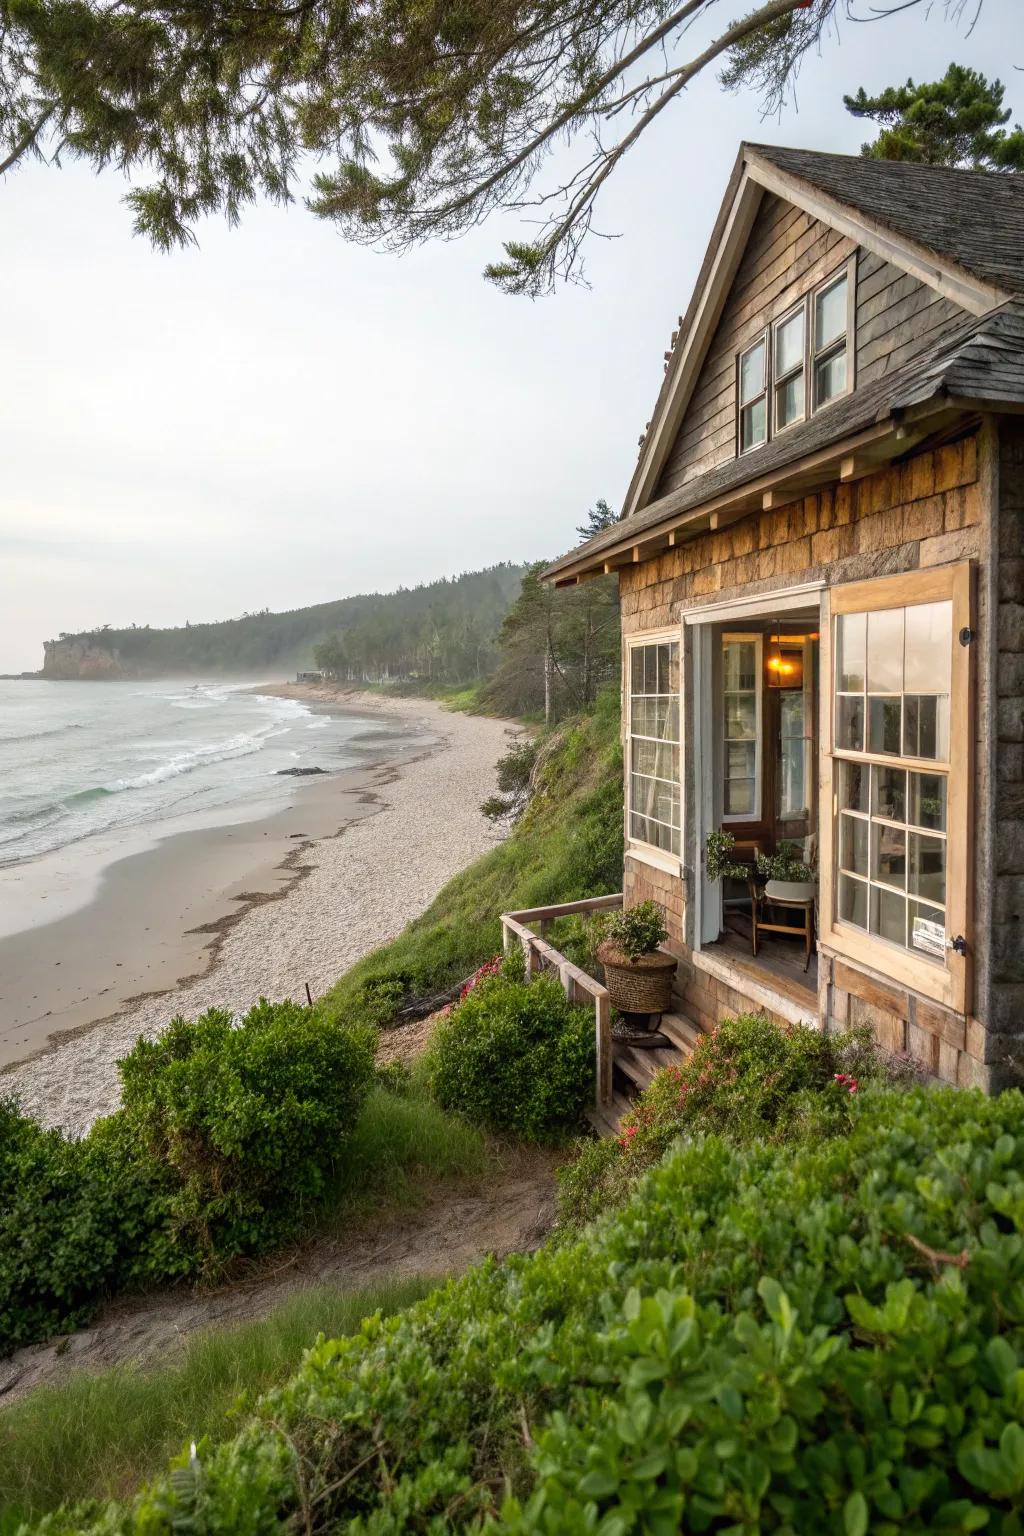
column 85, row 760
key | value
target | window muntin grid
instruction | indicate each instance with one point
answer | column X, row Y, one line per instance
column 892, row 686
column 741, row 727
column 654, row 798
column 800, row 363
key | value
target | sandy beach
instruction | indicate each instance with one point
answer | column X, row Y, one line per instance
column 225, row 915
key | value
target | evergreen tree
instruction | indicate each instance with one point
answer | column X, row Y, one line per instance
column 558, row 647
column 598, row 517
column 424, row 116
column 958, row 120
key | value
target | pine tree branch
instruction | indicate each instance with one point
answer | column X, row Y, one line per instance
column 27, row 142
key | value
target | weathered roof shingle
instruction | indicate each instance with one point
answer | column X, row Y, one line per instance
column 973, row 218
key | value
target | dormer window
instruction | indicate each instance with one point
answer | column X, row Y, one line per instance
column 831, row 304
column 754, row 395
column 790, row 369
column 799, row 364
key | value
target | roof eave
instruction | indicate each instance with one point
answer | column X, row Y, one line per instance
column 848, row 459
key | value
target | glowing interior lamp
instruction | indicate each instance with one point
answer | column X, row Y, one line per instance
column 783, row 670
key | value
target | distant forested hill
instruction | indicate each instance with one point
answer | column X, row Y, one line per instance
column 446, row 631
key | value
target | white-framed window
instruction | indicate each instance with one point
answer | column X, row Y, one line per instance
column 653, row 809
column 789, row 362
column 895, row 886
column 753, row 394
column 741, row 683
column 831, row 344
column 802, row 362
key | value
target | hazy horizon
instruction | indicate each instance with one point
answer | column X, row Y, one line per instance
column 278, row 419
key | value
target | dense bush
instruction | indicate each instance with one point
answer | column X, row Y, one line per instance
column 227, row 1135
column 248, row 1119
column 59, row 1229
column 771, row 1337
column 513, row 1055
column 748, row 1078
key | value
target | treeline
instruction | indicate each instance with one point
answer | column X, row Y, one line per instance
column 450, row 626
column 558, row 647
column 443, row 633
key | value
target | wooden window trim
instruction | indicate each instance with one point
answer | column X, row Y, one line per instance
column 763, row 339
column 649, row 853
column 948, row 983
column 808, row 304
column 849, row 271
column 802, row 367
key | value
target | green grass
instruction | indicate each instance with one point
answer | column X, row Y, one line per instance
column 402, row 1143
column 99, row 1435
column 567, row 846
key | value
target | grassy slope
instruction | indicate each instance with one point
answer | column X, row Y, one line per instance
column 98, row 1436
column 567, row 846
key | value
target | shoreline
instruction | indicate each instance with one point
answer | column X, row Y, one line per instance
column 309, row 912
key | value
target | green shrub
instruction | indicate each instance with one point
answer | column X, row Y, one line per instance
column 227, row 1136
column 638, row 930
column 514, row 1056
column 770, row 1337
column 58, row 1230
column 249, row 1118
column 747, row 1079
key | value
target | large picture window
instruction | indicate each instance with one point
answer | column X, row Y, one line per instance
column 899, row 711
column 653, row 725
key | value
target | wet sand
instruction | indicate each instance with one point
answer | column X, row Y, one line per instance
column 158, row 917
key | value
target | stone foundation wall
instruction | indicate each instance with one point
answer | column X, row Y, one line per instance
column 942, row 1044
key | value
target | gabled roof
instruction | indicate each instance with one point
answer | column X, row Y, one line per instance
column 978, row 364
column 959, row 232
column 972, row 218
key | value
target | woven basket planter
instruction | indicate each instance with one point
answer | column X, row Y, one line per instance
column 638, row 986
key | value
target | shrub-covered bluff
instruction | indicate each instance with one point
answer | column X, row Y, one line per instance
column 791, row 1337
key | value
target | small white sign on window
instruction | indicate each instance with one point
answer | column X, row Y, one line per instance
column 929, row 936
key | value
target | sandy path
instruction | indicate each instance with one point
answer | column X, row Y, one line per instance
column 509, row 1211
column 363, row 885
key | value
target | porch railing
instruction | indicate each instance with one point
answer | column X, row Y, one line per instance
column 539, row 955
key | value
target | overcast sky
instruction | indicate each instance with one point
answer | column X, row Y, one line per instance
column 277, row 418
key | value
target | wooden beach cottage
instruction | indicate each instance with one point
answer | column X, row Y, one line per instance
column 821, row 568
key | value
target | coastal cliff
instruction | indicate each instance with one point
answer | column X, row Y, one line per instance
column 444, row 630
column 79, row 658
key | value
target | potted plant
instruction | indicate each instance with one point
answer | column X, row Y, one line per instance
column 638, row 974
column 718, row 860
column 786, row 877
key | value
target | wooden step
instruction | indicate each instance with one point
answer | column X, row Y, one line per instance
column 605, row 1118
column 683, row 1032
column 640, row 1065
